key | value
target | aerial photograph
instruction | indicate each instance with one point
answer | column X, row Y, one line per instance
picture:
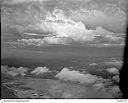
column 62, row 49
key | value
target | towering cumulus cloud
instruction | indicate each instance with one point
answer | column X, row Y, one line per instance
column 63, row 27
column 60, row 29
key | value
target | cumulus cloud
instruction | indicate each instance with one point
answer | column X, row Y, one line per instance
column 60, row 29
column 13, row 71
column 114, row 21
column 112, row 70
column 40, row 70
column 76, row 76
column 93, row 64
column 62, row 26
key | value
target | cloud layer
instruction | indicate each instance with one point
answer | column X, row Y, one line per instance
column 96, row 83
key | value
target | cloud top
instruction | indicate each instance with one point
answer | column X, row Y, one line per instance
column 40, row 70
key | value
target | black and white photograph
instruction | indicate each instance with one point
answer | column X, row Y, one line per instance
column 62, row 49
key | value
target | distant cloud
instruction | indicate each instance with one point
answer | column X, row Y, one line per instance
column 110, row 12
column 59, row 29
column 108, row 19
column 13, row 71
column 40, row 70
column 93, row 64
column 112, row 70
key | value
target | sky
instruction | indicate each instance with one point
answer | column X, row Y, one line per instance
column 43, row 23
column 52, row 34
column 112, row 13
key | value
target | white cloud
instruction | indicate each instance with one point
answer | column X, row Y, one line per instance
column 41, row 42
column 13, row 71
column 93, row 64
column 115, row 21
column 76, row 76
column 59, row 29
column 63, row 27
column 112, row 70
column 40, row 70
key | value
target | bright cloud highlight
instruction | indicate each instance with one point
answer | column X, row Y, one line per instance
column 112, row 70
column 40, row 70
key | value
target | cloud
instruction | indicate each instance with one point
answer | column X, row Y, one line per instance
column 116, row 92
column 112, row 70
column 93, row 64
column 13, row 71
column 76, row 76
column 40, row 70
column 115, row 21
column 62, row 26
column 59, row 29
column 114, row 62
column 89, row 13
column 97, row 83
column 20, row 1
column 99, row 86
column 116, row 78
column 40, row 42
